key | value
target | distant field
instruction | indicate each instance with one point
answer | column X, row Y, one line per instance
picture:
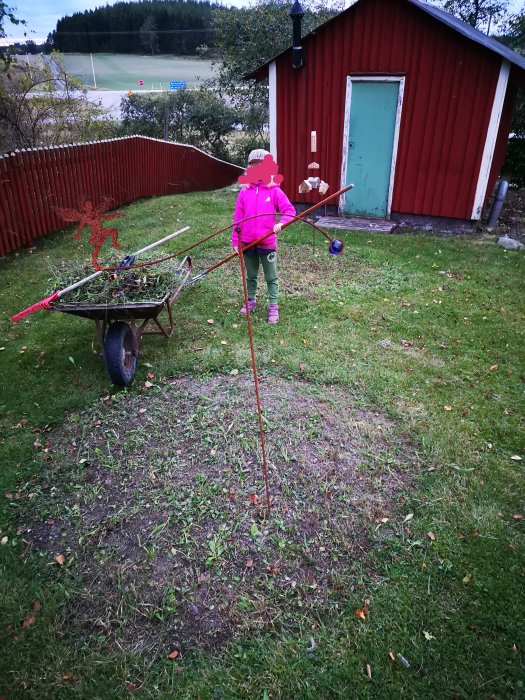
column 123, row 71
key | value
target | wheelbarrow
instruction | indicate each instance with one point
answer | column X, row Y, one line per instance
column 120, row 327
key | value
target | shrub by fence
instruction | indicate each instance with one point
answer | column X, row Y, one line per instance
column 35, row 184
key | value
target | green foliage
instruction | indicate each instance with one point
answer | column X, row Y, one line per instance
column 247, row 38
column 6, row 14
column 149, row 39
column 514, row 167
column 40, row 105
column 477, row 13
column 200, row 118
column 513, row 36
column 175, row 27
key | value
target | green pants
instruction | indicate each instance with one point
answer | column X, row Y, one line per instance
column 269, row 264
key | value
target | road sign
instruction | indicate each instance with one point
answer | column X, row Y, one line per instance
column 141, row 83
column 177, row 84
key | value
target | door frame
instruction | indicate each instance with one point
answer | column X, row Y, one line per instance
column 346, row 130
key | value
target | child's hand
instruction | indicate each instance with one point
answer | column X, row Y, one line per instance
column 277, row 228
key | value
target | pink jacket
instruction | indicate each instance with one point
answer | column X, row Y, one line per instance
column 260, row 199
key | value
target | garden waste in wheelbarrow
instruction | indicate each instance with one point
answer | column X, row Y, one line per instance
column 122, row 323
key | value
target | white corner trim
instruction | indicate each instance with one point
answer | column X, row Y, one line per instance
column 346, row 136
column 490, row 141
column 272, row 108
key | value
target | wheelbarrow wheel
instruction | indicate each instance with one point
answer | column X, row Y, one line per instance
column 121, row 362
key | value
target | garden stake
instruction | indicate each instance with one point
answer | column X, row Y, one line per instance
column 46, row 303
column 256, row 383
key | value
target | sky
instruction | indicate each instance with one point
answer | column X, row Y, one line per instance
column 42, row 15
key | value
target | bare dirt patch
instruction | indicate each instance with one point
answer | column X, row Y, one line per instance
column 156, row 500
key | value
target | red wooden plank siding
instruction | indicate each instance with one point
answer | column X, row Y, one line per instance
column 8, row 219
column 35, row 185
column 445, row 114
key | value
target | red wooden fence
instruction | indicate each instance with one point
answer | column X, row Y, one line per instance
column 36, row 183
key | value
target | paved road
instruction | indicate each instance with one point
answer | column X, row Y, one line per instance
column 110, row 99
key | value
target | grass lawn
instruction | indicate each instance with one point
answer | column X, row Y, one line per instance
column 136, row 555
column 123, row 72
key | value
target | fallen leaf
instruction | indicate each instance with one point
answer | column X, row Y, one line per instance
column 305, row 342
column 273, row 569
column 234, row 372
column 67, row 676
column 28, row 621
column 475, row 532
column 428, row 636
column 361, row 614
column 302, row 368
column 447, row 408
column 468, row 579
column 37, row 605
column 210, row 321
column 369, row 671
column 516, row 458
column 493, row 367
column 249, row 563
column 223, row 342
column 4, row 540
column 408, row 517
column 174, row 654
column 517, row 516
column 150, row 375
column 148, row 385
column 60, row 559
column 431, row 536
column 391, row 656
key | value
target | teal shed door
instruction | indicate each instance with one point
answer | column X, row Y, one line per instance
column 372, row 133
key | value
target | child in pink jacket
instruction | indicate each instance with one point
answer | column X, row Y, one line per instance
column 260, row 198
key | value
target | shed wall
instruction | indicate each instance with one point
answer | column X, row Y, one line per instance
column 449, row 89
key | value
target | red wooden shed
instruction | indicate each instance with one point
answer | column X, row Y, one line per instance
column 400, row 98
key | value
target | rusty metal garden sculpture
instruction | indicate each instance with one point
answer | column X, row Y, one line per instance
column 93, row 217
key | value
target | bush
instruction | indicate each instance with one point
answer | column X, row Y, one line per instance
column 514, row 165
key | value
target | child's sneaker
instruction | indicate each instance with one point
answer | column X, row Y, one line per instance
column 273, row 313
column 251, row 306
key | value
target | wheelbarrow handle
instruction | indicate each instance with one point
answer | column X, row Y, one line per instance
column 42, row 304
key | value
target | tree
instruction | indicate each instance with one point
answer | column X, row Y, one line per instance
column 477, row 13
column 149, row 39
column 200, row 118
column 42, row 105
column 246, row 38
column 6, row 15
